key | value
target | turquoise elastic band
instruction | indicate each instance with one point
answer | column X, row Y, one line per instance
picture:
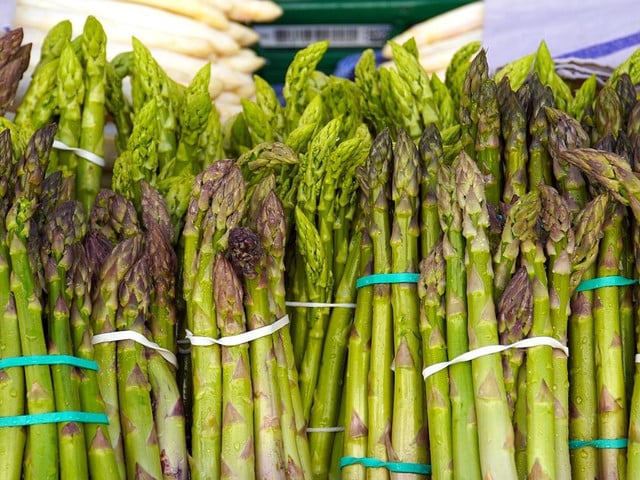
column 395, row 467
column 403, row 277
column 601, row 282
column 31, row 360
column 53, row 417
column 599, row 443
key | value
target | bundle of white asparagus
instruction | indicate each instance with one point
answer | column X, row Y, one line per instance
column 440, row 37
column 182, row 36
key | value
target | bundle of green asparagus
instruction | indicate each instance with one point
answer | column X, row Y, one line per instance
column 244, row 407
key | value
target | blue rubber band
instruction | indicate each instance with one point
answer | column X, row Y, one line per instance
column 396, row 467
column 403, row 277
column 32, row 360
column 601, row 282
column 53, row 417
column 599, row 443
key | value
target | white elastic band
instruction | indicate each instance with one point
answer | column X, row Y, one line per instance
column 319, row 304
column 325, row 429
column 637, row 357
column 242, row 338
column 87, row 155
column 138, row 338
column 491, row 349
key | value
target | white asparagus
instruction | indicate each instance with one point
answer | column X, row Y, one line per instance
column 446, row 25
column 231, row 79
column 254, row 11
column 209, row 14
column 245, row 61
column 160, row 28
column 243, row 35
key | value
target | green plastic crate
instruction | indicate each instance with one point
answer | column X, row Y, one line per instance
column 350, row 25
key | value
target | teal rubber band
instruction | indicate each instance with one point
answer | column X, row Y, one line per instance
column 403, row 277
column 32, row 360
column 396, row 467
column 601, row 282
column 53, row 417
column 599, row 443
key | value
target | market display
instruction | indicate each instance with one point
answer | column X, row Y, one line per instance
column 403, row 273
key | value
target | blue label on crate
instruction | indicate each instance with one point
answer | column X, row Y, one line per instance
column 340, row 36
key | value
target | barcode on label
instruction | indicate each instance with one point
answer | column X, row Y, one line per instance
column 299, row 36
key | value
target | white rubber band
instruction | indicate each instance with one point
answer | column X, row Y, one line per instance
column 87, row 155
column 242, row 338
column 491, row 349
column 319, row 304
column 138, row 338
column 325, row 429
column 637, row 357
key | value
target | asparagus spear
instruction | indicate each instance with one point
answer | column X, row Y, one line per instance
column 358, row 362
column 514, row 136
column 430, row 148
column 431, row 288
column 12, row 439
column 495, row 433
column 100, row 453
column 66, row 227
column 611, row 394
column 103, row 320
column 408, row 434
column 14, row 60
column 237, row 455
column 582, row 391
column 375, row 181
column 466, row 460
column 515, row 315
column 142, row 454
column 270, row 223
column 326, row 404
column 89, row 174
column 247, row 256
column 539, row 167
column 556, row 222
column 42, row 438
column 70, row 92
column 566, row 133
column 519, row 223
column 488, row 151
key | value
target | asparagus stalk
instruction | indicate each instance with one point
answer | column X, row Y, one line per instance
column 375, row 182
column 466, row 459
column 495, row 432
column 100, row 453
column 12, row 439
column 42, row 442
column 271, row 227
column 611, row 394
column 431, row 288
column 515, row 315
column 236, row 451
column 247, row 256
column 539, row 166
column 89, row 174
column 488, row 151
column 513, row 125
column 582, row 392
column 142, row 454
column 65, row 228
column 358, row 362
column 103, row 320
column 431, row 154
column 556, row 221
column 325, row 410
column 408, row 434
